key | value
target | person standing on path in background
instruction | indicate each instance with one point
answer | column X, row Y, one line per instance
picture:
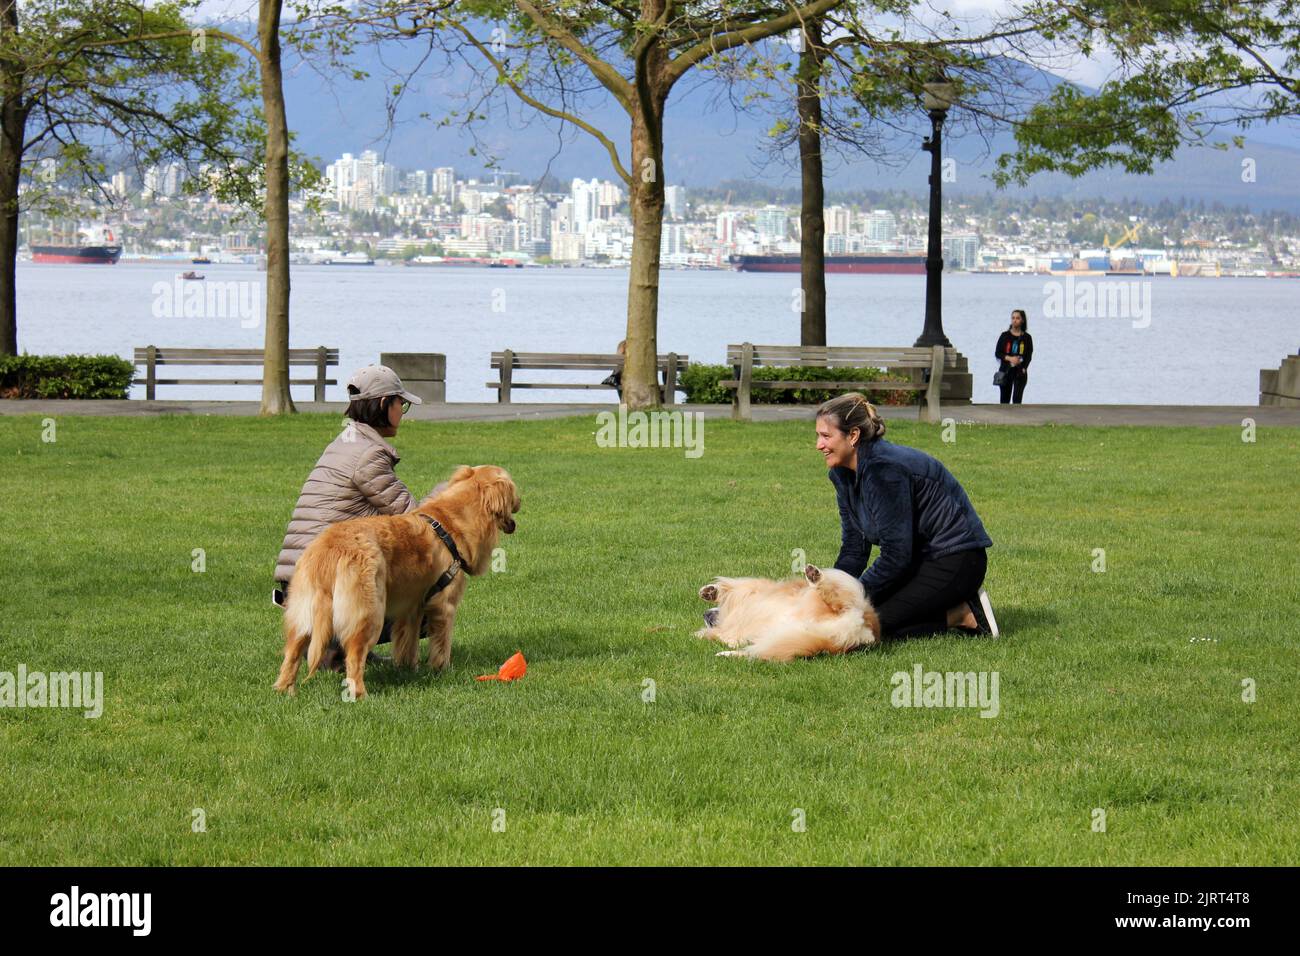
column 1014, row 351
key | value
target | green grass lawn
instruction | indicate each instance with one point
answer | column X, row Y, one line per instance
column 1119, row 691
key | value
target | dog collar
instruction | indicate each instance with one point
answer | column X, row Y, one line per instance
column 456, row 561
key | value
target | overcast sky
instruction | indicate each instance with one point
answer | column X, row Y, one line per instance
column 974, row 14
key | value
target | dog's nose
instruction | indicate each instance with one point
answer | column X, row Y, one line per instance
column 510, row 526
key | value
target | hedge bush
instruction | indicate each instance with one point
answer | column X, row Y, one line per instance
column 65, row 376
column 701, row 385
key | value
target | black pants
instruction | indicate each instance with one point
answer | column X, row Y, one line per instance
column 1013, row 386
column 919, row 604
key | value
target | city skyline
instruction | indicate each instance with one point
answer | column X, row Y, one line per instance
column 439, row 213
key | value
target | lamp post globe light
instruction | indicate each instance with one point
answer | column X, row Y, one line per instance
column 937, row 97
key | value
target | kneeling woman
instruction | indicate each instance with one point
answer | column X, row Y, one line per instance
column 928, row 575
column 354, row 477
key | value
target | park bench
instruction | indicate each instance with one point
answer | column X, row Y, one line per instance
column 152, row 356
column 743, row 358
column 508, row 361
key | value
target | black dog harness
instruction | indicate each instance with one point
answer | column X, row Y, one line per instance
column 450, row 574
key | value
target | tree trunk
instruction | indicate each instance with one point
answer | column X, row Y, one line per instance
column 640, row 368
column 13, row 130
column 275, row 372
column 812, row 218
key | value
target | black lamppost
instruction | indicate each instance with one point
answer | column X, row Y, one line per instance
column 937, row 97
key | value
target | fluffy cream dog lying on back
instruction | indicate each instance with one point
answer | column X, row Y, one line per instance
column 825, row 613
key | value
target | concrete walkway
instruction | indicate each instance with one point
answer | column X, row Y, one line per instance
column 491, row 412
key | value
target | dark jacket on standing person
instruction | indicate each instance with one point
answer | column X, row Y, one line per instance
column 1008, row 344
column 908, row 504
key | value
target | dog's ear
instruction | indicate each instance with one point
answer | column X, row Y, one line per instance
column 499, row 494
column 460, row 474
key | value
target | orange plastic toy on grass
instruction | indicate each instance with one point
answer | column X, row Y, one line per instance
column 513, row 669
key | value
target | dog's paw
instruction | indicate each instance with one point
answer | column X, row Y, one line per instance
column 812, row 573
column 731, row 654
column 709, row 592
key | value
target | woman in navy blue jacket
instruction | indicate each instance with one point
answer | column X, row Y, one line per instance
column 930, row 571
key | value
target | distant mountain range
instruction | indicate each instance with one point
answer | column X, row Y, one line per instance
column 708, row 143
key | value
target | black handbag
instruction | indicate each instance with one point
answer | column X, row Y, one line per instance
column 999, row 377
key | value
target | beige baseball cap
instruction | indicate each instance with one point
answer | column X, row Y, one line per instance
column 379, row 381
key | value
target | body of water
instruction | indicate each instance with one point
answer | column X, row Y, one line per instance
column 1194, row 341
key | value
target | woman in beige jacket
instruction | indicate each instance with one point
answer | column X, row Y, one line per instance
column 354, row 477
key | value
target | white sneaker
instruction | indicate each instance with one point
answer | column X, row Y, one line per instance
column 984, row 613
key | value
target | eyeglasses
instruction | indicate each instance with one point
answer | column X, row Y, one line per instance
column 406, row 407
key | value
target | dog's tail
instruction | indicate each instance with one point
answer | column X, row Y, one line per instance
column 296, row 626
column 322, row 628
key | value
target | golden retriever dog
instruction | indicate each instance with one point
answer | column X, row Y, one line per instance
column 357, row 573
column 827, row 612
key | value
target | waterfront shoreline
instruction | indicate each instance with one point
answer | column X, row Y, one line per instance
column 1202, row 416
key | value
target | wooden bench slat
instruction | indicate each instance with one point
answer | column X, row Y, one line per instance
column 230, row 350
column 548, row 385
column 770, row 358
column 211, row 354
column 872, row 362
column 820, row 353
column 558, row 363
column 563, row 366
column 680, row 388
column 908, row 363
column 234, row 381
column 526, row 361
column 592, row 356
column 561, row 357
column 861, row 356
column 757, row 383
column 833, row 351
column 164, row 359
column 735, row 346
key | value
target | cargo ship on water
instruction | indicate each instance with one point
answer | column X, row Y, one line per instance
column 99, row 250
column 856, row 264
